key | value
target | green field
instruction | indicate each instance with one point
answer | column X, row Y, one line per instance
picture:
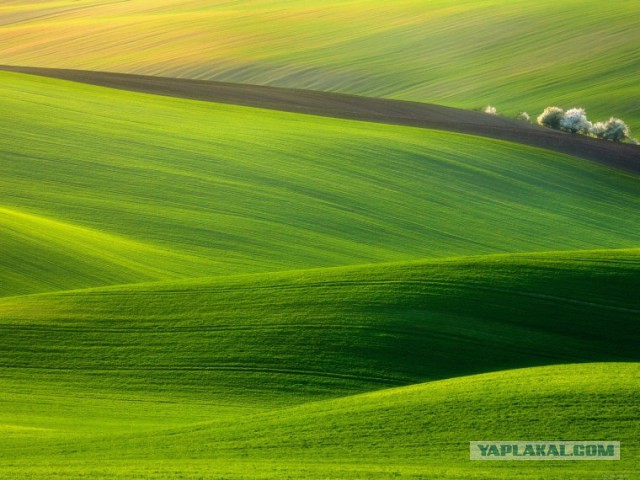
column 192, row 290
column 418, row 432
column 240, row 376
column 105, row 177
column 516, row 55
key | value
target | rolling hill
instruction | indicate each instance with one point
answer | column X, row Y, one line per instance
column 352, row 107
column 243, row 190
column 53, row 255
column 252, row 369
column 332, row 332
column 201, row 290
column 420, row 431
column 514, row 55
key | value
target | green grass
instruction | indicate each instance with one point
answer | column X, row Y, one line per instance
column 255, row 368
column 420, row 431
column 136, row 188
column 331, row 332
column 424, row 430
column 192, row 290
column 52, row 255
column 514, row 55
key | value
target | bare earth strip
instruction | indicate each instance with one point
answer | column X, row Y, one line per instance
column 623, row 156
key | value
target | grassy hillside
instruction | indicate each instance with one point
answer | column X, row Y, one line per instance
column 196, row 290
column 145, row 188
column 40, row 254
column 515, row 55
column 254, row 376
column 421, row 431
column 323, row 333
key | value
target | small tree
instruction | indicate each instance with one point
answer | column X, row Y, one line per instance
column 491, row 110
column 551, row 117
column 598, row 129
column 613, row 129
column 575, row 121
column 524, row 116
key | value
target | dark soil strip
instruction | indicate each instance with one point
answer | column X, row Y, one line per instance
column 396, row 112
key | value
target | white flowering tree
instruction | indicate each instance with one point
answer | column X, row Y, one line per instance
column 575, row 121
column 613, row 129
column 524, row 116
column 551, row 117
column 491, row 110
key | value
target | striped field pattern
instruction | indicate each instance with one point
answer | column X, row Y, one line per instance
column 515, row 55
column 191, row 290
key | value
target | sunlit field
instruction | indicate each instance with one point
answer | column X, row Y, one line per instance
column 514, row 55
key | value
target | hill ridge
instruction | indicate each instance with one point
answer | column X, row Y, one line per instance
column 245, row 190
column 384, row 427
column 543, row 255
column 353, row 107
column 66, row 247
column 344, row 330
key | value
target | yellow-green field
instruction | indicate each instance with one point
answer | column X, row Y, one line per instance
column 516, row 55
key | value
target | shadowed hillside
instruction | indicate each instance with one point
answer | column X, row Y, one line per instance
column 280, row 338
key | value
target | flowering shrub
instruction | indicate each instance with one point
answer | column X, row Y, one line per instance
column 575, row 121
column 613, row 129
column 551, row 117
